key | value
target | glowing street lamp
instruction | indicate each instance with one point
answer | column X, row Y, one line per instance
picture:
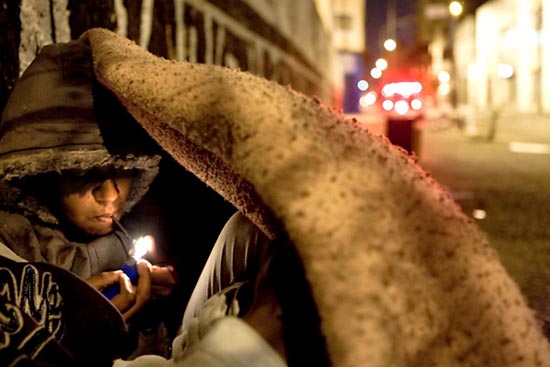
column 444, row 76
column 362, row 85
column 376, row 73
column 390, row 44
column 381, row 64
column 455, row 8
column 505, row 71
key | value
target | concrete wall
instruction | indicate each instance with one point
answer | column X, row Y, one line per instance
column 282, row 40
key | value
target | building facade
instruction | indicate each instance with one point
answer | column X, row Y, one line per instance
column 285, row 41
column 348, row 18
column 501, row 57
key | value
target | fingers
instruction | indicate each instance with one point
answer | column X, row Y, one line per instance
column 142, row 290
column 152, row 281
column 160, row 291
column 103, row 280
column 127, row 295
column 132, row 298
column 163, row 280
column 163, row 275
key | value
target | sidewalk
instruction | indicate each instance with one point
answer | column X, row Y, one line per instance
column 510, row 126
column 511, row 189
column 502, row 181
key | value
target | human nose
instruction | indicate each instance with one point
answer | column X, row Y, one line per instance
column 106, row 191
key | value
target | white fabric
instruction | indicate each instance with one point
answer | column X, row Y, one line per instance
column 236, row 256
column 230, row 342
column 214, row 309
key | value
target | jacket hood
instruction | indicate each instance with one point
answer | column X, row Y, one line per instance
column 59, row 117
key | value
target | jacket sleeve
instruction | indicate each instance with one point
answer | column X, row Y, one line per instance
column 108, row 252
column 105, row 253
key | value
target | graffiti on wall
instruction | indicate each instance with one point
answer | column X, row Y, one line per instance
column 227, row 33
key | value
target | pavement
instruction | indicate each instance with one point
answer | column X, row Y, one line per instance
column 497, row 167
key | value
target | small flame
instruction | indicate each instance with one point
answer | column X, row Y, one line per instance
column 142, row 246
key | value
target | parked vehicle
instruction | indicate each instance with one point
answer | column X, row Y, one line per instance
column 403, row 104
column 402, row 99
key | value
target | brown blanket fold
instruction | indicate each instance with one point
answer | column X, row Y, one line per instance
column 400, row 276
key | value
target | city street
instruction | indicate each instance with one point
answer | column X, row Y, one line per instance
column 505, row 184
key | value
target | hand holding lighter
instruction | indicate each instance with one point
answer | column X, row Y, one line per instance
column 130, row 269
column 141, row 246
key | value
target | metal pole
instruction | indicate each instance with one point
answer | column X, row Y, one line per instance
column 391, row 22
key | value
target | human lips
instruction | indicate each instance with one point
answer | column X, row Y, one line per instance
column 105, row 218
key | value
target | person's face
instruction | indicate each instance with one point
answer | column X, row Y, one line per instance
column 90, row 202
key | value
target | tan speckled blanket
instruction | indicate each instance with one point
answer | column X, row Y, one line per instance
column 400, row 276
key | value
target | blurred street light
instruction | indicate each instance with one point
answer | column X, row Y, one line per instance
column 368, row 99
column 505, row 71
column 381, row 64
column 362, row 85
column 455, row 8
column 390, row 44
column 444, row 76
column 479, row 214
column 376, row 73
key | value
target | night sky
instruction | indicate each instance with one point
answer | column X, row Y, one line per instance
column 405, row 10
column 376, row 19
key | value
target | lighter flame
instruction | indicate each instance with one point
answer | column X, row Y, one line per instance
column 142, row 246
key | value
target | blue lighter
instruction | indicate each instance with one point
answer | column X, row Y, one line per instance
column 130, row 269
column 141, row 246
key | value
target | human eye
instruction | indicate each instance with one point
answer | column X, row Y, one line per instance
column 70, row 185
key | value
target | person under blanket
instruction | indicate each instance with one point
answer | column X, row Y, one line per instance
column 72, row 163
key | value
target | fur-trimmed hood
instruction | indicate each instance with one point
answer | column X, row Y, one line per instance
column 399, row 275
column 58, row 117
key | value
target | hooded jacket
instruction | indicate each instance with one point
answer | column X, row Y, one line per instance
column 59, row 117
